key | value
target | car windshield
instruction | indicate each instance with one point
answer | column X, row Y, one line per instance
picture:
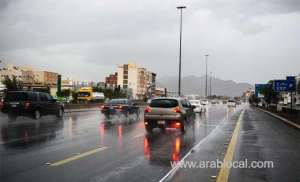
column 194, row 102
column 164, row 103
column 118, row 101
column 83, row 94
column 16, row 96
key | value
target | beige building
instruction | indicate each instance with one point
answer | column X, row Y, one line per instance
column 11, row 71
column 137, row 80
column 29, row 76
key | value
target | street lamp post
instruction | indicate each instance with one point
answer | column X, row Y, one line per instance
column 206, row 57
column 180, row 37
column 210, row 91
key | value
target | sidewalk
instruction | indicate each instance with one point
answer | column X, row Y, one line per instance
column 290, row 118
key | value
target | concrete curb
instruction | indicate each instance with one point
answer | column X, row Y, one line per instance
column 281, row 118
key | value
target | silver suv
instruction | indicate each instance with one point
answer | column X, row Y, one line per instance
column 167, row 113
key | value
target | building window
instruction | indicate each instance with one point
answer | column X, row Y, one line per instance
column 125, row 81
column 125, row 86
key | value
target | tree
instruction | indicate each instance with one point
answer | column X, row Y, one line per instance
column 270, row 96
column 65, row 93
column 12, row 84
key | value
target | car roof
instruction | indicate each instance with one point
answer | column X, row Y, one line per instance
column 173, row 98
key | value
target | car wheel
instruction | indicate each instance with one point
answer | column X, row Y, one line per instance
column 60, row 113
column 37, row 114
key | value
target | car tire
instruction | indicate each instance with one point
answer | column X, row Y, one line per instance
column 37, row 114
column 60, row 113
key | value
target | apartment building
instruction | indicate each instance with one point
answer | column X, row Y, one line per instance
column 29, row 76
column 112, row 80
column 139, row 81
column 11, row 71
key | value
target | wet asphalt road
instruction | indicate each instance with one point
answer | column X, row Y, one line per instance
column 81, row 147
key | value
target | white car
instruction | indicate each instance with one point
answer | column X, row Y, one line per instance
column 231, row 103
column 204, row 102
column 199, row 107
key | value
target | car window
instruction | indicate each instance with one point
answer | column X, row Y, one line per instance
column 43, row 97
column 164, row 103
column 118, row 101
column 16, row 96
column 33, row 97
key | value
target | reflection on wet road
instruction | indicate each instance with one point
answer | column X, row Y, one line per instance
column 27, row 146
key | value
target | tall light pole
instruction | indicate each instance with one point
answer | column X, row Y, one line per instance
column 180, row 37
column 210, row 84
column 206, row 57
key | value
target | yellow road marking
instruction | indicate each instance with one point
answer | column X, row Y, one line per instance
column 70, row 159
column 225, row 171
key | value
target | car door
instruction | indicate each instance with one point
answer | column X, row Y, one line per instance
column 53, row 107
column 188, row 108
column 45, row 105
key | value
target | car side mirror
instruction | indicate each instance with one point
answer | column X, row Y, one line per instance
column 193, row 107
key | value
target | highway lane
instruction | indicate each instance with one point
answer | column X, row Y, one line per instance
column 86, row 149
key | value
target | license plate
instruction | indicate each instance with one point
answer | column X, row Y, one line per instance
column 161, row 122
column 13, row 105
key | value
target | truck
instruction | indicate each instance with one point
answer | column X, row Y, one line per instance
column 86, row 94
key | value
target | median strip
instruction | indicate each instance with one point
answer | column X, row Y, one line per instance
column 76, row 157
column 225, row 170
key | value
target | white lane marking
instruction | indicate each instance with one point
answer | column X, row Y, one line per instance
column 139, row 135
column 173, row 170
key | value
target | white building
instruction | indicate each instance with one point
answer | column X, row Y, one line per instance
column 138, row 81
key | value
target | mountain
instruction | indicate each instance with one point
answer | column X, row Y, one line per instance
column 196, row 85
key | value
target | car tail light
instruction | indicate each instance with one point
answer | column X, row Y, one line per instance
column 177, row 109
column 148, row 109
column 178, row 124
column 120, row 107
column 102, row 107
column 26, row 105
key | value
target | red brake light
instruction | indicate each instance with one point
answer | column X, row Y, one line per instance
column 148, row 109
column 177, row 109
column 120, row 107
column 26, row 105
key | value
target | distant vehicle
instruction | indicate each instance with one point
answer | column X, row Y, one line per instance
column 225, row 101
column 204, row 102
column 98, row 96
column 199, row 108
column 231, row 103
column 120, row 107
column 85, row 94
column 28, row 103
column 238, row 102
column 214, row 102
column 168, row 113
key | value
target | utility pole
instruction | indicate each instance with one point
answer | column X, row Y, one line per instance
column 206, row 57
column 210, row 91
column 180, row 37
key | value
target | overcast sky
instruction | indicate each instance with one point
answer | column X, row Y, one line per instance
column 248, row 40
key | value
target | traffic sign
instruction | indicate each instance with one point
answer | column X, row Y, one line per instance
column 284, row 85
